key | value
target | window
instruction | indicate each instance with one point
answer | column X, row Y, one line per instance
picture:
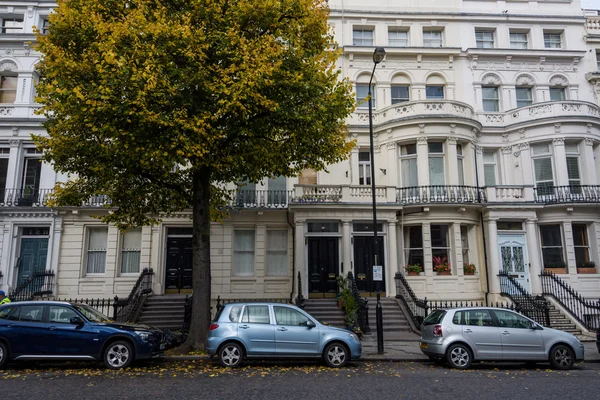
column 408, row 159
column 489, row 168
column 484, row 38
column 439, row 244
column 364, row 168
column 277, row 261
column 552, row 252
column 60, row 315
column 289, row 317
column 491, row 101
column 30, row 313
column 277, row 190
column 464, row 240
column 573, row 167
column 131, row 248
column 581, row 244
column 598, row 59
column 473, row 318
column 510, row 319
column 460, row 161
column 413, row 245
column 4, row 153
column 5, row 311
column 256, row 315
column 8, row 89
column 434, row 92
column 518, row 40
column 44, row 26
column 552, row 40
column 400, row 93
column 557, row 94
column 397, row 38
column 234, row 314
column 96, row 250
column 432, row 38
column 246, row 193
column 243, row 248
column 12, row 25
column 323, row 227
column 436, row 163
column 524, row 96
column 542, row 165
column 362, row 93
column 362, row 37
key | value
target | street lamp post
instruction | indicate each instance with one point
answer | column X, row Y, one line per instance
column 378, row 56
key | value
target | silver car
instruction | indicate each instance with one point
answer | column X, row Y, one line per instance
column 463, row 335
column 275, row 330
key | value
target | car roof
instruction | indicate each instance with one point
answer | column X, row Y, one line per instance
column 471, row 308
column 260, row 303
column 42, row 302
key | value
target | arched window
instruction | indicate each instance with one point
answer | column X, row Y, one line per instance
column 362, row 92
column 490, row 93
column 8, row 82
column 558, row 88
column 400, row 89
column 524, row 90
column 434, row 88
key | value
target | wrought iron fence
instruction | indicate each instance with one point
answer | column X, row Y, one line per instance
column 133, row 303
column 112, row 308
column 25, row 197
column 417, row 308
column 39, row 284
column 567, row 194
column 533, row 307
column 438, row 194
column 299, row 301
column 362, row 303
column 587, row 312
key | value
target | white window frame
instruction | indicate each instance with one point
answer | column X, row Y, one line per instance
column 561, row 247
column 398, row 41
column 435, row 97
column 435, row 155
column 99, row 250
column 460, row 161
column 274, row 252
column 488, row 100
column 539, row 156
column 12, row 19
column 585, row 246
column 598, row 60
column 360, row 36
column 553, row 39
column 364, row 168
column 433, row 37
column 493, row 164
column 407, row 244
column 522, row 102
column 554, row 89
column 361, row 101
column 5, row 89
column 572, row 152
column 447, row 249
column 398, row 100
column 516, row 42
column 125, row 252
column 485, row 38
column 464, row 240
column 405, row 158
column 236, row 254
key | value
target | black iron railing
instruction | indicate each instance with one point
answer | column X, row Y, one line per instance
column 262, row 198
column 362, row 314
column 39, row 284
column 533, row 307
column 438, row 194
column 587, row 312
column 112, row 308
column 299, row 301
column 567, row 194
column 417, row 308
column 131, row 306
column 25, row 197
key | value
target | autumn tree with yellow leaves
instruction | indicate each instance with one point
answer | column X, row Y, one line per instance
column 158, row 104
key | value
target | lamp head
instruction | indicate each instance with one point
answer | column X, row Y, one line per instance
column 378, row 55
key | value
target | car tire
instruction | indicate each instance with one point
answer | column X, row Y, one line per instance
column 459, row 356
column 3, row 355
column 118, row 355
column 336, row 355
column 562, row 357
column 231, row 355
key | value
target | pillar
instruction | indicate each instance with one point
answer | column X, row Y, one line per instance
column 534, row 255
column 299, row 260
column 346, row 248
column 452, row 162
column 422, row 161
column 392, row 265
column 493, row 257
column 588, row 164
column 560, row 163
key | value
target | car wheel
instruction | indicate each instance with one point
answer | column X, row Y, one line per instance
column 562, row 357
column 231, row 355
column 3, row 355
column 336, row 355
column 459, row 356
column 118, row 355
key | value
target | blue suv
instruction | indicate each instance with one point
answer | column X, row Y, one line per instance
column 51, row 330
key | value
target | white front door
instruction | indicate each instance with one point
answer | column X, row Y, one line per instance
column 513, row 258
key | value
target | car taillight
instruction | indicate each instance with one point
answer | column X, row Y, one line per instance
column 213, row 327
column 437, row 330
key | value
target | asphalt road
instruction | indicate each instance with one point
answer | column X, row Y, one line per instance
column 381, row 380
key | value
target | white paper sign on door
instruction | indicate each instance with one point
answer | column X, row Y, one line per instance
column 377, row 273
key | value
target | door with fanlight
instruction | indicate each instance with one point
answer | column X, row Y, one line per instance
column 513, row 258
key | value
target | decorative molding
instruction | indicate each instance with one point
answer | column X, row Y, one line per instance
column 452, row 140
column 491, row 80
column 507, row 150
column 421, row 128
column 589, row 141
column 505, row 137
column 14, row 143
column 557, row 128
column 453, row 128
column 524, row 146
column 525, row 80
column 517, row 153
column 522, row 133
column 558, row 141
column 391, row 145
column 478, row 149
column 422, row 140
column 8, row 65
column 559, row 80
column 589, row 128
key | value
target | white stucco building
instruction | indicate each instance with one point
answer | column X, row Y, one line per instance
column 487, row 135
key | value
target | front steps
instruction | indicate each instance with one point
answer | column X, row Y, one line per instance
column 325, row 310
column 163, row 311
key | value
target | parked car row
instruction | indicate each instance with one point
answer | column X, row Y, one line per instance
column 48, row 330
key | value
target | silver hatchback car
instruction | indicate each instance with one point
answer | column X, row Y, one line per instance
column 463, row 335
column 276, row 330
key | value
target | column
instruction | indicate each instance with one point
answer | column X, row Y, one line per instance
column 588, row 165
column 427, row 261
column 423, row 161
column 452, row 161
column 392, row 266
column 526, row 164
column 12, row 178
column 54, row 249
column 346, row 248
column 569, row 247
column 155, row 248
column 469, row 164
column 393, row 165
column 456, row 247
column 493, row 257
column 24, row 88
column 533, row 252
column 300, row 261
column 560, row 163
column 479, row 160
column 507, row 166
column 354, row 166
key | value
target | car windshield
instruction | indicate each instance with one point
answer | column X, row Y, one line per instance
column 91, row 314
column 434, row 318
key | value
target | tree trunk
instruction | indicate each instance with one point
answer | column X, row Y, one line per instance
column 201, row 280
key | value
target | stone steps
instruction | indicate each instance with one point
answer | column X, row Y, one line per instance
column 163, row 311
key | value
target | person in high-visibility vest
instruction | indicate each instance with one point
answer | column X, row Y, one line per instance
column 3, row 298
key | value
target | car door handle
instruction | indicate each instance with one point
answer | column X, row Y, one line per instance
column 468, row 331
column 505, row 332
column 282, row 329
column 52, row 328
column 244, row 326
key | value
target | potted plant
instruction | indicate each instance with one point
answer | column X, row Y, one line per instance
column 342, row 289
column 588, row 267
column 350, row 309
column 557, row 268
column 441, row 266
column 413, row 269
column 469, row 269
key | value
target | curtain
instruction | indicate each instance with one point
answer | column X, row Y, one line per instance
column 436, row 171
column 243, row 246
column 277, row 261
column 96, row 255
column 130, row 251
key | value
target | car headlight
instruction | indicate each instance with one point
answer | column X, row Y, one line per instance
column 354, row 337
column 143, row 334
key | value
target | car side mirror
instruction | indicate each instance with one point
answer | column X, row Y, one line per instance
column 76, row 321
column 310, row 324
column 535, row 326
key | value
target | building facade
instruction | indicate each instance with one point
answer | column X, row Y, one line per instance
column 486, row 145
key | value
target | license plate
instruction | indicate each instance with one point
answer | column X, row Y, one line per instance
column 162, row 346
column 423, row 345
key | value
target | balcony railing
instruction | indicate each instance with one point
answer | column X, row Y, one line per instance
column 27, row 197
column 439, row 194
column 567, row 109
column 567, row 194
column 262, row 198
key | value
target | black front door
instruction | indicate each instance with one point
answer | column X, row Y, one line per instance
column 179, row 265
column 363, row 263
column 323, row 266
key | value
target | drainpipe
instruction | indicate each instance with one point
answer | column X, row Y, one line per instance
column 293, row 255
column 485, row 259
